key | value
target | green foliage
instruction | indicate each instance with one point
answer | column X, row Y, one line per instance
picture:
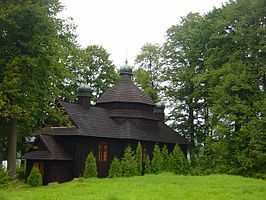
column 183, row 54
column 115, row 169
column 139, row 159
column 147, row 76
column 166, row 159
column 34, row 52
column 35, row 177
column 21, row 172
column 147, row 165
column 142, row 78
column 90, row 169
column 157, row 160
column 4, row 178
column 179, row 162
column 216, row 74
column 128, row 162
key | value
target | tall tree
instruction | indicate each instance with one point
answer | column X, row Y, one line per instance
column 183, row 55
column 91, row 66
column 235, row 64
column 147, row 76
column 98, row 70
column 216, row 70
column 32, row 41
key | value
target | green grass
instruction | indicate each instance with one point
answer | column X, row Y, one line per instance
column 164, row 186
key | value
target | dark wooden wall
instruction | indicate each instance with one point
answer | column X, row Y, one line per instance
column 53, row 171
column 79, row 147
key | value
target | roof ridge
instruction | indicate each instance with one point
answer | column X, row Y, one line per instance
column 45, row 143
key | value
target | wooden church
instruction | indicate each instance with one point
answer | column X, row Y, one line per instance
column 124, row 115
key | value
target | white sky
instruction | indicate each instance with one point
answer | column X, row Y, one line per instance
column 118, row 25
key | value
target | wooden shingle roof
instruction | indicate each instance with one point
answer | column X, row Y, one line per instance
column 125, row 91
column 98, row 122
column 54, row 151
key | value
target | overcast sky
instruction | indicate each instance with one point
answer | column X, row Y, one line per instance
column 118, row 25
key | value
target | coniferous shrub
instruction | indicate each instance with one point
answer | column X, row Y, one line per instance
column 128, row 163
column 179, row 165
column 115, row 169
column 35, row 177
column 165, row 156
column 139, row 159
column 157, row 160
column 147, row 165
column 90, row 169
column 170, row 162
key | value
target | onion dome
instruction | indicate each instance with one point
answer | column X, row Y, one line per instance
column 84, row 90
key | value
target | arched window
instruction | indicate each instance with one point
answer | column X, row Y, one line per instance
column 102, row 151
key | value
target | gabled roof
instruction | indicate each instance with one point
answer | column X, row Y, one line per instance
column 54, row 151
column 125, row 91
column 98, row 122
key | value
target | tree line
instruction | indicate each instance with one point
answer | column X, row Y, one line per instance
column 212, row 73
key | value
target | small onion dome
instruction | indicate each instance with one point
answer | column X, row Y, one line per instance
column 160, row 105
column 126, row 69
column 84, row 90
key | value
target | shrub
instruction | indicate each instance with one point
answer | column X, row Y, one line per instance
column 147, row 165
column 170, row 162
column 139, row 159
column 179, row 165
column 128, row 163
column 21, row 172
column 165, row 157
column 90, row 169
column 4, row 178
column 115, row 169
column 35, row 177
column 157, row 160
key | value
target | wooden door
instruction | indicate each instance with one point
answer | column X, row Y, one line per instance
column 39, row 166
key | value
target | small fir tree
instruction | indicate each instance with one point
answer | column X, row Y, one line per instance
column 170, row 162
column 90, row 169
column 147, row 165
column 35, row 177
column 157, row 160
column 128, row 163
column 179, row 162
column 139, row 159
column 165, row 156
column 115, row 169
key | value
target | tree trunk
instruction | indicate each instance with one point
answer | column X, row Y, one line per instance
column 1, row 153
column 12, row 149
column 192, row 135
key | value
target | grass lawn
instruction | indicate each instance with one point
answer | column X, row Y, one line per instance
column 163, row 186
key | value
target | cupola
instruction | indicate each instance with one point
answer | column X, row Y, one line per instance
column 158, row 111
column 84, row 95
column 125, row 91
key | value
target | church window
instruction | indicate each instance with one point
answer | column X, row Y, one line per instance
column 102, row 152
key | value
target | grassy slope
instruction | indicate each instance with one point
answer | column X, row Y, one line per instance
column 163, row 186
